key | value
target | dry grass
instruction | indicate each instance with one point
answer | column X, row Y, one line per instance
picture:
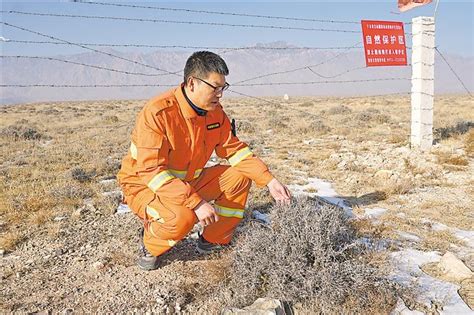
column 10, row 240
column 452, row 159
column 469, row 143
column 52, row 165
column 439, row 240
column 56, row 155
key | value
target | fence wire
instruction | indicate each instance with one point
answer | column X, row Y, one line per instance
column 116, row 18
column 273, row 17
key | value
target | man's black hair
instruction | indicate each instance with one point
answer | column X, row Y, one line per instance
column 201, row 63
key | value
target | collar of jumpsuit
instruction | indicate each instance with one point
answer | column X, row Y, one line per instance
column 198, row 110
column 185, row 105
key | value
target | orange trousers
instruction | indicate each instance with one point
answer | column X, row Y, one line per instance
column 166, row 223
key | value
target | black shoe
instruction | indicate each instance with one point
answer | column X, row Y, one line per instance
column 204, row 247
column 146, row 261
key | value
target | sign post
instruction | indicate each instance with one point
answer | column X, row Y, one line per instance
column 422, row 82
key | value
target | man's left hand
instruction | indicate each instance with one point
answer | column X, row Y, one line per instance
column 279, row 192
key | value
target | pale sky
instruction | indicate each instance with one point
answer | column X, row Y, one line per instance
column 454, row 24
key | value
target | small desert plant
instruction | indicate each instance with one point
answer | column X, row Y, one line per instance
column 308, row 255
column 307, row 104
column 20, row 132
column 313, row 126
column 71, row 190
column 82, row 175
column 339, row 110
column 460, row 128
column 245, row 126
column 373, row 115
column 111, row 119
column 277, row 122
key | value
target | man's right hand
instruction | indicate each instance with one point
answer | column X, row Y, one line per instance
column 205, row 213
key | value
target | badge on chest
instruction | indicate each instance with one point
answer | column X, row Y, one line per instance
column 213, row 126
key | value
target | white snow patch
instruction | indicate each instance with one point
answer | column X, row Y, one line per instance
column 122, row 209
column 408, row 271
column 213, row 160
column 261, row 217
column 113, row 193
column 374, row 213
column 409, row 236
column 402, row 309
column 108, row 181
column 320, row 188
column 466, row 236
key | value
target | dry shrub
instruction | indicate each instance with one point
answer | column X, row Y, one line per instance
column 307, row 104
column 277, row 122
column 373, row 115
column 308, row 255
column 111, row 119
column 312, row 127
column 339, row 110
column 71, row 190
column 20, row 132
column 460, row 128
column 244, row 126
column 82, row 175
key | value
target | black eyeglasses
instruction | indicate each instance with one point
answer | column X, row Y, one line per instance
column 217, row 89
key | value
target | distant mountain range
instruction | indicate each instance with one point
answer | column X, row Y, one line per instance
column 243, row 64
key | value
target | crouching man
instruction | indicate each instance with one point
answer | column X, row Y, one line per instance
column 163, row 176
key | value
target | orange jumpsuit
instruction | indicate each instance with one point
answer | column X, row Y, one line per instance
column 163, row 176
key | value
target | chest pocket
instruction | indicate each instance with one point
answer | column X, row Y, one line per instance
column 213, row 134
column 148, row 149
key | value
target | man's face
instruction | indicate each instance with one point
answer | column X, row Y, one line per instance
column 204, row 96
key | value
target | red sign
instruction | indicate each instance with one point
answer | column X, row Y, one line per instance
column 384, row 43
column 405, row 5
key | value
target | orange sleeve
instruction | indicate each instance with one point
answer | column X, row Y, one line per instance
column 151, row 154
column 241, row 157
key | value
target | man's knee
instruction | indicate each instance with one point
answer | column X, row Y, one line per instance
column 180, row 226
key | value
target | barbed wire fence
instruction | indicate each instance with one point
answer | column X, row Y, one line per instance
column 163, row 72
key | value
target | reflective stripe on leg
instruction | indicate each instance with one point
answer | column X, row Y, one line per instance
column 153, row 213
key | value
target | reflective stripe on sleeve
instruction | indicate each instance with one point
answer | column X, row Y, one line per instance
column 159, row 179
column 178, row 174
column 229, row 212
column 182, row 174
column 239, row 156
column 197, row 173
column 133, row 151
